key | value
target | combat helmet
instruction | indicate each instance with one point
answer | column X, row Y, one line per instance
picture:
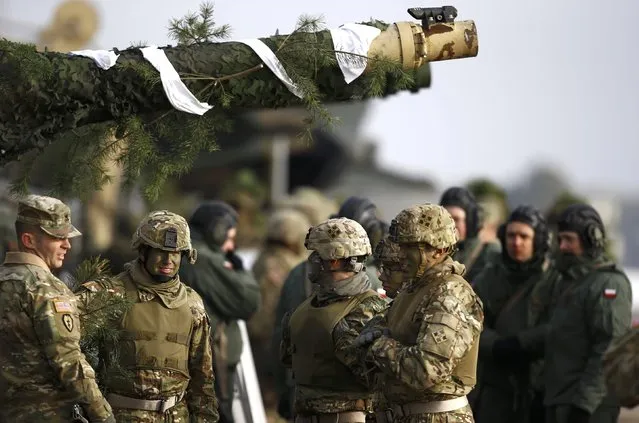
column 427, row 223
column 338, row 238
column 387, row 251
column 166, row 231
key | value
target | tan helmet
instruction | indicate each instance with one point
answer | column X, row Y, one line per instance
column 288, row 226
column 338, row 238
column 426, row 223
column 166, row 231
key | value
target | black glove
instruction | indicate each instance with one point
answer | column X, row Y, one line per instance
column 578, row 415
column 508, row 350
column 369, row 335
column 235, row 260
column 284, row 408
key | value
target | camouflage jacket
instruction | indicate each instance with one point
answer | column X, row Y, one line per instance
column 448, row 321
column 199, row 403
column 309, row 400
column 295, row 290
column 270, row 269
column 43, row 370
column 621, row 368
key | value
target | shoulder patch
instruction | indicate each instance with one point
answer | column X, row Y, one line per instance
column 610, row 293
column 62, row 306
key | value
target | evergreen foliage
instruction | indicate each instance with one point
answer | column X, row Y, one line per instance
column 100, row 317
column 154, row 148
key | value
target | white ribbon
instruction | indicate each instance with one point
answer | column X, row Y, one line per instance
column 270, row 59
column 178, row 94
column 103, row 58
column 355, row 39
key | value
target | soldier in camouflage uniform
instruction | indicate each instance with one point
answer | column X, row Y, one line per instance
column 472, row 252
column 593, row 309
column 621, row 368
column 317, row 340
column 166, row 336
column 391, row 270
column 297, row 288
column 283, row 250
column 426, row 347
column 43, row 370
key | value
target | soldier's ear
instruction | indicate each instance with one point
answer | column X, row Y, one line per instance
column 29, row 240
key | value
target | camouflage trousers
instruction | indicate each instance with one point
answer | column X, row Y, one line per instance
column 177, row 414
column 463, row 415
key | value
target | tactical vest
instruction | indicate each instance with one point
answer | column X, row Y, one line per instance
column 153, row 338
column 405, row 330
column 314, row 362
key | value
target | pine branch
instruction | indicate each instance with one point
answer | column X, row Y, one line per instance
column 67, row 109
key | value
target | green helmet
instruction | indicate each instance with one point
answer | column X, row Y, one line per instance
column 165, row 231
column 427, row 223
column 387, row 252
column 338, row 238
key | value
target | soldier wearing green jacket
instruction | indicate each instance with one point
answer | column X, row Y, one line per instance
column 594, row 308
column 229, row 291
column 318, row 337
column 517, row 292
column 471, row 251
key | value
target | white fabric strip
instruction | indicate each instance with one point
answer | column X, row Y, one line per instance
column 270, row 59
column 356, row 39
column 178, row 94
column 103, row 58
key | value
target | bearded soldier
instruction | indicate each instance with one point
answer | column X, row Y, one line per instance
column 427, row 350
column 43, row 370
column 317, row 340
column 165, row 344
column 595, row 308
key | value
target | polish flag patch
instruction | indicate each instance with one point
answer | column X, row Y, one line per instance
column 610, row 293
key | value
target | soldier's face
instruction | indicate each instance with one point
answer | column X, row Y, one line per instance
column 52, row 250
column 392, row 278
column 569, row 243
column 519, row 241
column 162, row 263
column 459, row 216
column 229, row 244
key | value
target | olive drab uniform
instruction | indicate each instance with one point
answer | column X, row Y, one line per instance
column 518, row 299
column 44, row 373
column 428, row 358
column 165, row 342
column 317, row 340
column 594, row 309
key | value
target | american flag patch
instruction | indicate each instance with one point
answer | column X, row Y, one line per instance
column 62, row 307
column 610, row 293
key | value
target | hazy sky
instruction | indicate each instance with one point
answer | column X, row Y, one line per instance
column 555, row 82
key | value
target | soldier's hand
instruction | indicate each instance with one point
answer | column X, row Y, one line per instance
column 235, row 260
column 369, row 335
